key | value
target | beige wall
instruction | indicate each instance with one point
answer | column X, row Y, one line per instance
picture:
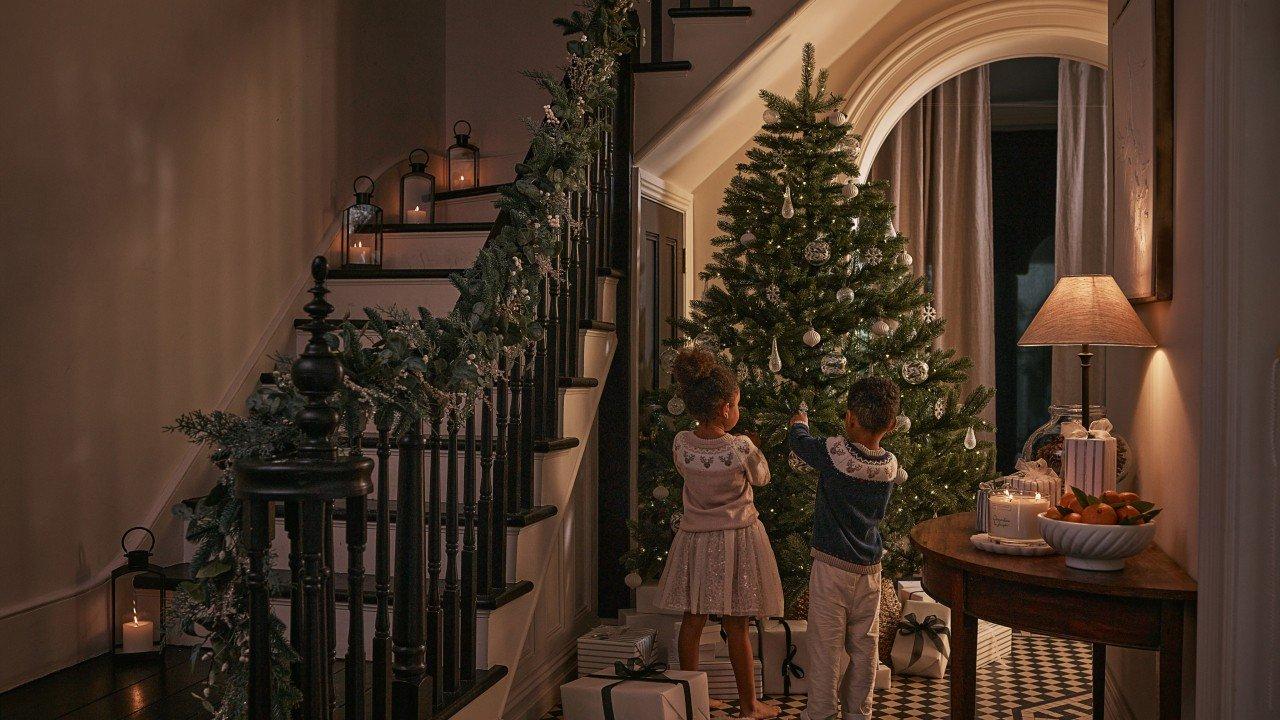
column 166, row 171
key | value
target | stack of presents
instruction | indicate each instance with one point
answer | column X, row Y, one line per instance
column 631, row 670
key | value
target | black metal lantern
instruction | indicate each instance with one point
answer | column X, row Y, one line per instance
column 362, row 229
column 133, row 633
column 418, row 192
column 462, row 161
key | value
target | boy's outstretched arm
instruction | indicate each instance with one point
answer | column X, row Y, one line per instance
column 808, row 448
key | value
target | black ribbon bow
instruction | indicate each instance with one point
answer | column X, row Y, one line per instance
column 931, row 627
column 635, row 670
column 790, row 668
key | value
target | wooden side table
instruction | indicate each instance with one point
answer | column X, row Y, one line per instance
column 1143, row 606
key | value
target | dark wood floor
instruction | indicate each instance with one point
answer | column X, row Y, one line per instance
column 107, row 688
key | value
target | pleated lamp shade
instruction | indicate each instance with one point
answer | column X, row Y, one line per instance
column 1087, row 310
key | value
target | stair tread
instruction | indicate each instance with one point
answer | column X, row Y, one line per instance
column 470, row 192
column 660, row 67
column 511, row 592
column 436, row 227
column 360, row 273
column 533, row 515
column 602, row 325
column 709, row 12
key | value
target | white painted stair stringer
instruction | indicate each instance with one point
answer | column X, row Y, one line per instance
column 507, row 628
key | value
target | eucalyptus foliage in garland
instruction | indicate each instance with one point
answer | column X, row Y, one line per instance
column 403, row 365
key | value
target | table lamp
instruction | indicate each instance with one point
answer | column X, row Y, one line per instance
column 1086, row 310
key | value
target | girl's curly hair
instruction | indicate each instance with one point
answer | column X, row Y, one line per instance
column 704, row 383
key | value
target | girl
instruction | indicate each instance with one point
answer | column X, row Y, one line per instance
column 720, row 560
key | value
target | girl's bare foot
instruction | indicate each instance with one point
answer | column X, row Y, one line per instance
column 719, row 704
column 759, row 709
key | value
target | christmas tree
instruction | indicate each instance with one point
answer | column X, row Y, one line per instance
column 811, row 288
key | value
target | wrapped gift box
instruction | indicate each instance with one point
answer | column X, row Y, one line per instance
column 722, row 641
column 995, row 642
column 1089, row 463
column 583, row 699
column 600, row 647
column 774, row 650
column 909, row 589
column 884, row 677
column 662, row 624
column 647, row 601
column 706, row 644
column 927, row 651
column 721, row 684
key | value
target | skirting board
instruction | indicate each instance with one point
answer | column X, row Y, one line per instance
column 541, row 691
column 56, row 635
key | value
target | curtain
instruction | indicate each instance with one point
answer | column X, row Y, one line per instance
column 1082, row 228
column 938, row 164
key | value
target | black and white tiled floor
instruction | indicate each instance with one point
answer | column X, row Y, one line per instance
column 1044, row 679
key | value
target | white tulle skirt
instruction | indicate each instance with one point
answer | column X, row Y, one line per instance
column 722, row 572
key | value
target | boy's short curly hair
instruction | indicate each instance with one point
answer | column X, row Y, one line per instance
column 875, row 402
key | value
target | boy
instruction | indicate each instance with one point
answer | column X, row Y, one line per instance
column 855, row 479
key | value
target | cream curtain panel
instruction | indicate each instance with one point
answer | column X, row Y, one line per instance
column 938, row 164
column 1082, row 237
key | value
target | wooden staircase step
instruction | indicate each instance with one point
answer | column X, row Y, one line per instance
column 598, row 325
column 662, row 67
column 471, row 192
column 436, row 227
column 533, row 515
column 511, row 592
column 677, row 13
column 485, row 679
column 359, row 273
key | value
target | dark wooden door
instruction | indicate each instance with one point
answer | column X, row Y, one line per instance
column 661, row 286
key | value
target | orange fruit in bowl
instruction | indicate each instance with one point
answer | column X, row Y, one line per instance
column 1070, row 501
column 1127, row 511
column 1099, row 514
column 1111, row 497
column 1128, row 497
column 1053, row 514
column 1072, row 517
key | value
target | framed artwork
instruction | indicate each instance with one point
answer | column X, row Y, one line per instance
column 1141, row 50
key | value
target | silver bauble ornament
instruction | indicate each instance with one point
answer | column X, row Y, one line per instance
column 880, row 327
column 707, row 340
column 675, row 405
column 845, row 294
column 970, row 439
column 661, row 492
column 771, row 116
column 817, row 252
column 633, row 580
column 811, row 337
column 939, row 407
column 850, row 190
column 748, row 239
column 915, row 371
column 775, row 360
column 837, row 118
column 904, row 424
column 834, row 364
column 668, row 358
column 788, row 210
column 904, row 258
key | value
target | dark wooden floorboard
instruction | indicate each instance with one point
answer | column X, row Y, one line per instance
column 87, row 682
column 180, row 679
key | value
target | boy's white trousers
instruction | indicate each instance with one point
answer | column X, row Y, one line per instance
column 844, row 632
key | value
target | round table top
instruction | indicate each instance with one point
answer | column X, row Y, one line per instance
column 1151, row 573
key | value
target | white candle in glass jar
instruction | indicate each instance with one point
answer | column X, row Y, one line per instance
column 361, row 253
column 1012, row 515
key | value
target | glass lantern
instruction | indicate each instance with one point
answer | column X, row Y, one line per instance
column 418, row 191
column 462, row 160
column 1045, row 442
column 362, row 229
column 134, row 631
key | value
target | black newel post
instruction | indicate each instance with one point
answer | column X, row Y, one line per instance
column 309, row 480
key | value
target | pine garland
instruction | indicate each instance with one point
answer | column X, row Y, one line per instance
column 403, row 366
column 837, row 267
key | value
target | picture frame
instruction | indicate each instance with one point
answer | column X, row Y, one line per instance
column 1141, row 126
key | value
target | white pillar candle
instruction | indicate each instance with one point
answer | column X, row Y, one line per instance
column 138, row 636
column 1013, row 515
column 360, row 253
column 416, row 215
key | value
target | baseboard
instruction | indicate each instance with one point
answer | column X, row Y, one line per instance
column 56, row 635
column 540, row 691
column 1116, row 707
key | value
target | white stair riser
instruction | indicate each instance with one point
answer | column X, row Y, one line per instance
column 351, row 297
column 414, row 251
column 479, row 208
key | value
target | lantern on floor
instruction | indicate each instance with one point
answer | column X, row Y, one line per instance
column 462, row 160
column 418, row 191
column 362, row 228
column 134, row 632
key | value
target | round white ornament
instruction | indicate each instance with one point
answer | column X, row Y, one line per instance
column 837, row 118
column 811, row 337
column 904, row 423
column 668, row 358
column 661, row 492
column 748, row 239
column 845, row 294
column 633, row 580
column 817, row 252
column 771, row 116
column 850, row 190
column 904, row 258
column 675, row 405
column 915, row 371
column 880, row 327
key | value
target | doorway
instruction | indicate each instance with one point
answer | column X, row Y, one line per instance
column 660, row 287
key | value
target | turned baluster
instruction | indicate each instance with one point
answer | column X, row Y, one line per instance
column 435, row 558
column 467, row 599
column 257, row 524
column 357, row 538
column 411, row 687
column 452, row 587
column 498, row 531
column 484, row 508
column 381, row 694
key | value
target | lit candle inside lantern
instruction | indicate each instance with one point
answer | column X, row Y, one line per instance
column 138, row 634
column 416, row 215
column 1013, row 515
column 361, row 254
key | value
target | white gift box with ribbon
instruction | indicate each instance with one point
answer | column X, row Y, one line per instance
column 923, row 643
column 653, row 696
column 1036, row 476
column 1089, row 456
column 600, row 647
column 884, row 677
column 662, row 624
column 707, row 643
column 784, row 653
column 721, row 683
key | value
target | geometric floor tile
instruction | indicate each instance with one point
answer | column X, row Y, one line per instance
column 1044, row 678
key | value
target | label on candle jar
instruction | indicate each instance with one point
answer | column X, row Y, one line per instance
column 1013, row 517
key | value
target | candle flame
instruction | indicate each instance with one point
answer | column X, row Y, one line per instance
column 417, row 208
column 1008, row 494
column 1038, row 496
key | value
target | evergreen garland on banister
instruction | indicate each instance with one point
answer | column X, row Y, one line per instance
column 402, row 364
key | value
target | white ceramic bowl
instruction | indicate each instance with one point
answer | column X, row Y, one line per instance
column 1096, row 547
